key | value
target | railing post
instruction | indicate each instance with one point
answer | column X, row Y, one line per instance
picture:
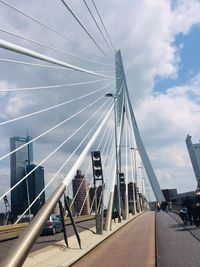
column 108, row 221
column 22, row 246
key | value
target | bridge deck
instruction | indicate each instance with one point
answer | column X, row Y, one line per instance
column 133, row 245
column 125, row 246
column 176, row 245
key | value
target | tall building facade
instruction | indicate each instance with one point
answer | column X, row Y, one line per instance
column 169, row 194
column 194, row 152
column 92, row 196
column 18, row 161
column 35, row 186
column 79, row 184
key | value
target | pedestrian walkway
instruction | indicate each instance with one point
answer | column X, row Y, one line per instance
column 133, row 245
column 130, row 245
column 177, row 246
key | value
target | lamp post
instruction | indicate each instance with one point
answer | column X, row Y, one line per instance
column 115, row 97
column 140, row 167
column 135, row 164
column 27, row 189
column 136, row 178
column 134, row 195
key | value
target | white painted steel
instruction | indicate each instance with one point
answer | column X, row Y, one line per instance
column 135, row 131
column 27, row 52
column 82, row 156
column 63, row 165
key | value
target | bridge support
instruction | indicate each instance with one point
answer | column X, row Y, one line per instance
column 126, row 213
column 134, row 128
column 108, row 222
column 134, row 201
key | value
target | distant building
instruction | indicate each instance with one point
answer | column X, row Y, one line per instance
column 194, row 152
column 182, row 196
column 169, row 194
column 92, row 195
column 18, row 161
column 79, row 184
column 131, row 187
column 35, row 186
column 56, row 210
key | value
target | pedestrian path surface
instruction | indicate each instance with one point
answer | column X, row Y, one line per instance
column 177, row 245
column 133, row 245
column 130, row 245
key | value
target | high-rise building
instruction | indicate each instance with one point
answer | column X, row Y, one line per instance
column 92, row 196
column 35, row 186
column 79, row 184
column 194, row 152
column 18, row 161
column 169, row 194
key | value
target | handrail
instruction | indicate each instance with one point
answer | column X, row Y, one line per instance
column 22, row 246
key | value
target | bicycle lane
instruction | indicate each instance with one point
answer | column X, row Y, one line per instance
column 174, row 244
column 132, row 245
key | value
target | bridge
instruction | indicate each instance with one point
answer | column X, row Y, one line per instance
column 81, row 124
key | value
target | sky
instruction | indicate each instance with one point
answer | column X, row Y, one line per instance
column 159, row 41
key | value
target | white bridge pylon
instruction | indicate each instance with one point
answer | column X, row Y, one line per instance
column 125, row 115
column 124, row 108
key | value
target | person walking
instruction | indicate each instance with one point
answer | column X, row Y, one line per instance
column 188, row 203
column 197, row 209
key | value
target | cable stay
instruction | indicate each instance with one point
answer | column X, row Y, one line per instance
column 103, row 24
column 47, row 66
column 33, row 64
column 54, row 49
column 89, row 10
column 55, row 106
column 85, row 29
column 52, row 153
column 27, row 52
column 89, row 166
column 64, row 164
column 86, row 196
column 90, row 185
column 53, row 128
column 49, row 86
column 42, row 24
column 82, row 156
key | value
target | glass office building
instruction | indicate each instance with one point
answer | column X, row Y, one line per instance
column 35, row 185
column 18, row 161
column 194, row 152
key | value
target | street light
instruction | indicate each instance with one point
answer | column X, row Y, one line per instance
column 140, row 181
column 141, row 204
column 135, row 163
column 136, row 179
column 115, row 97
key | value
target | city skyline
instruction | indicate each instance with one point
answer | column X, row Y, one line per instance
column 80, row 190
column 162, row 75
column 18, row 162
column 21, row 163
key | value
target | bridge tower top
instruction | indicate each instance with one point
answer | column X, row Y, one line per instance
column 124, row 106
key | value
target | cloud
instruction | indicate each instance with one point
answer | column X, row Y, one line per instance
column 165, row 120
column 186, row 15
column 145, row 31
column 148, row 39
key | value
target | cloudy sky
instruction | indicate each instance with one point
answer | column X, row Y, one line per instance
column 159, row 42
